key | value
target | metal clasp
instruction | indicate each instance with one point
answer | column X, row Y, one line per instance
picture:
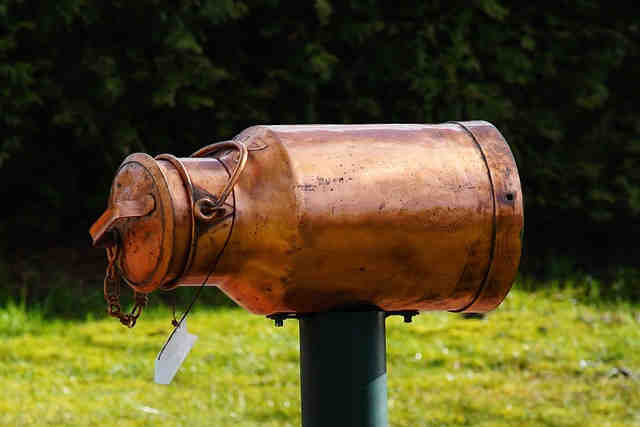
column 207, row 209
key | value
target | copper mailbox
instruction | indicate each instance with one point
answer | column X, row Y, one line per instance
column 309, row 218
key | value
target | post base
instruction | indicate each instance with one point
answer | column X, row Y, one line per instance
column 343, row 369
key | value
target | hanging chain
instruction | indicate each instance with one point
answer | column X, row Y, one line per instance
column 112, row 292
column 174, row 322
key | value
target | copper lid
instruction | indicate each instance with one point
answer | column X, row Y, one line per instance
column 140, row 220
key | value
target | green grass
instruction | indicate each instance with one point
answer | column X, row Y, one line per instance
column 544, row 358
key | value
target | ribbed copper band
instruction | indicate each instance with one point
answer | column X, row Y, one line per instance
column 493, row 222
column 186, row 180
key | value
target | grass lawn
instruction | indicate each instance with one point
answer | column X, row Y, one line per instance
column 543, row 358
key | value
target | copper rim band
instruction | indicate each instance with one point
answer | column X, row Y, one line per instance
column 493, row 221
column 186, row 179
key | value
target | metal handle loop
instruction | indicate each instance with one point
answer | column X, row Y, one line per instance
column 207, row 209
column 235, row 175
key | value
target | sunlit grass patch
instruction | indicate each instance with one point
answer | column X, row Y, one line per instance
column 543, row 358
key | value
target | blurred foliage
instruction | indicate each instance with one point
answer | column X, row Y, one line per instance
column 84, row 83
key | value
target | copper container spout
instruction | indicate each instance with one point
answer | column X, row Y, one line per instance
column 309, row 218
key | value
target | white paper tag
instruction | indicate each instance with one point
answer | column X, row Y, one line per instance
column 173, row 353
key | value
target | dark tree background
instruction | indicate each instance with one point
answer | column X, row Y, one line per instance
column 84, row 83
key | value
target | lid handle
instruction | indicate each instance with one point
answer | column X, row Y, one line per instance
column 116, row 211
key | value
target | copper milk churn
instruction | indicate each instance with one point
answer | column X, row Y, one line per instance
column 310, row 218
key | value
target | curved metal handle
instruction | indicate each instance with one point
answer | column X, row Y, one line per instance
column 213, row 206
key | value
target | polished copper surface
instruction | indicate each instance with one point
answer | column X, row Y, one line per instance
column 319, row 217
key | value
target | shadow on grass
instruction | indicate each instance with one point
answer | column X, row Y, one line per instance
column 595, row 280
column 620, row 286
column 67, row 284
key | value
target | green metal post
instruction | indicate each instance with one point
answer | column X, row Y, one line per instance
column 343, row 369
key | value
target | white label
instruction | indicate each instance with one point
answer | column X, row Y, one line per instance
column 173, row 353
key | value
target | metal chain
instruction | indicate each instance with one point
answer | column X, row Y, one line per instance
column 112, row 293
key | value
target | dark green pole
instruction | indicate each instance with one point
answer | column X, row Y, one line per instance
column 343, row 369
